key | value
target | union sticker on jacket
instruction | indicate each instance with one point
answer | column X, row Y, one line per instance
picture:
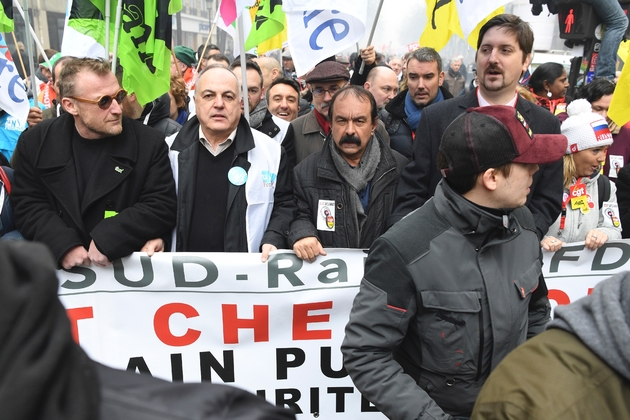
column 326, row 215
column 611, row 215
column 616, row 163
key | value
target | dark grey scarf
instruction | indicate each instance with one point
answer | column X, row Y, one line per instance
column 359, row 176
column 257, row 115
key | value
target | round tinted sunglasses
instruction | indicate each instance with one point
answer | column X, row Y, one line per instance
column 105, row 101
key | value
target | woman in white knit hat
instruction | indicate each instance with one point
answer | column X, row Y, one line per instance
column 589, row 204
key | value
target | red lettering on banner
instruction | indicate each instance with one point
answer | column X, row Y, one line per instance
column 163, row 331
column 301, row 319
column 589, row 291
column 231, row 323
column 559, row 296
column 76, row 314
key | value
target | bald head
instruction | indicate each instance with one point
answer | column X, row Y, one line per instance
column 382, row 82
column 271, row 69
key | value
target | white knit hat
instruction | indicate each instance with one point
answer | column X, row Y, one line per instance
column 585, row 129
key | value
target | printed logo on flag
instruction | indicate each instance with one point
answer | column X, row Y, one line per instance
column 601, row 131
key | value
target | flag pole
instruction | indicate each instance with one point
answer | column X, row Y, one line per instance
column 33, row 34
column 179, row 71
column 19, row 53
column 241, row 40
column 116, row 35
column 29, row 50
column 107, row 20
column 378, row 12
column 203, row 52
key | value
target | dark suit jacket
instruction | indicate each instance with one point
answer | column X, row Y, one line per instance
column 132, row 177
column 420, row 177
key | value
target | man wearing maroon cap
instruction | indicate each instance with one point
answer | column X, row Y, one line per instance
column 311, row 129
column 452, row 288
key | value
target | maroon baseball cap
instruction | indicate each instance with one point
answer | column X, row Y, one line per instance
column 492, row 136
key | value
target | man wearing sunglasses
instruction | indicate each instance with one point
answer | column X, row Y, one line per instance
column 91, row 184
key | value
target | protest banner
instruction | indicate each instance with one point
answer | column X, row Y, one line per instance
column 272, row 328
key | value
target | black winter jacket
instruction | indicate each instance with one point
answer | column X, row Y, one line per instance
column 395, row 120
column 132, row 177
column 316, row 178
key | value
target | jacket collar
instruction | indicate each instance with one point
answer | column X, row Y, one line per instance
column 310, row 124
column 472, row 221
column 56, row 149
column 396, row 107
column 269, row 126
column 189, row 135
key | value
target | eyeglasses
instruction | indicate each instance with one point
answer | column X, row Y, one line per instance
column 320, row 93
column 105, row 101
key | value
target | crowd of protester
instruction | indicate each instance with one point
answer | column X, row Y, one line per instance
column 416, row 159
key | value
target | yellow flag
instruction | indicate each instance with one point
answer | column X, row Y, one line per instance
column 474, row 35
column 274, row 43
column 442, row 23
column 619, row 110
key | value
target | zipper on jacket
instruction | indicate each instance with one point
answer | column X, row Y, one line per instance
column 480, row 355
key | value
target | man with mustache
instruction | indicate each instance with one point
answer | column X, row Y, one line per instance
column 311, row 129
column 424, row 87
column 91, row 184
column 344, row 192
column 503, row 53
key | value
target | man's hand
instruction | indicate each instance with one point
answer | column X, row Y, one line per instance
column 96, row 257
column 152, row 246
column 551, row 243
column 368, row 55
column 34, row 117
column 266, row 249
column 594, row 239
column 76, row 256
column 308, row 248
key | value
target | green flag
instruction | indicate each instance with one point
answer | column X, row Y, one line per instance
column 145, row 47
column 6, row 16
column 268, row 22
column 144, row 42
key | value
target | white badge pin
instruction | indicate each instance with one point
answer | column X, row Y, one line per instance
column 119, row 169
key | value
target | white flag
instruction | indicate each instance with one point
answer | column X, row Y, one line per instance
column 231, row 31
column 317, row 34
column 471, row 12
column 13, row 97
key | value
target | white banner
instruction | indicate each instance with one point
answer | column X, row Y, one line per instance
column 274, row 329
column 314, row 35
column 13, row 97
column 572, row 272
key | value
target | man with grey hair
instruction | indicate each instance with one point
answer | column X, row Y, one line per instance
column 454, row 77
column 234, row 190
column 424, row 87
